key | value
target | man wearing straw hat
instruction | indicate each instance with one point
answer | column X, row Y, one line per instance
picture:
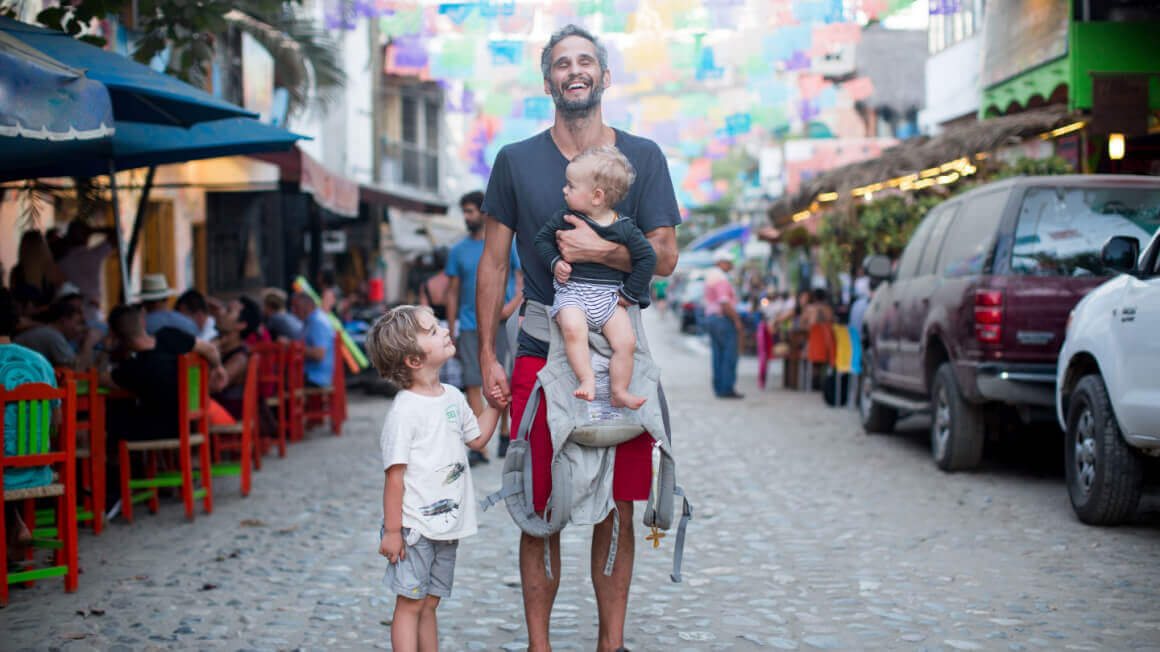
column 154, row 297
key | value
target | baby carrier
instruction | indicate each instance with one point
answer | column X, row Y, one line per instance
column 584, row 438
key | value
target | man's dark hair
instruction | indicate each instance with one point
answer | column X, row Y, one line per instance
column 563, row 33
column 9, row 314
column 125, row 322
column 475, row 197
column 251, row 316
column 63, row 309
column 193, row 301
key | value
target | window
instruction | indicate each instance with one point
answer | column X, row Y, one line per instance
column 945, row 214
column 971, row 235
column 908, row 264
column 410, row 118
column 1062, row 230
column 952, row 21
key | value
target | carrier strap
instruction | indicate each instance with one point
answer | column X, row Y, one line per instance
column 679, row 545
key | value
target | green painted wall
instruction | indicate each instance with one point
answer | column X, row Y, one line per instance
column 1102, row 47
column 1112, row 47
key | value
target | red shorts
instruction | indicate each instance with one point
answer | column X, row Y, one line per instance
column 632, row 473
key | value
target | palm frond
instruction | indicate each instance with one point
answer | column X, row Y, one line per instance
column 306, row 58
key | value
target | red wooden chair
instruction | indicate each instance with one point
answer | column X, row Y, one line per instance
column 34, row 448
column 272, row 391
column 329, row 402
column 241, row 436
column 193, row 406
column 91, row 457
column 295, row 386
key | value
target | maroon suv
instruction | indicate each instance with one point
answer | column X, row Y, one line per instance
column 975, row 312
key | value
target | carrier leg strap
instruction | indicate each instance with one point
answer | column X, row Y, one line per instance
column 679, row 545
column 548, row 556
column 613, row 542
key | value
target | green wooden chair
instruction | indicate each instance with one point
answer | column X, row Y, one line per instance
column 35, row 447
column 193, row 406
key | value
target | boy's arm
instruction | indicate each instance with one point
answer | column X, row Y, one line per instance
column 545, row 242
column 644, row 261
column 488, row 420
column 391, row 546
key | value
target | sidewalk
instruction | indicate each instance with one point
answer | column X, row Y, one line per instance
column 807, row 534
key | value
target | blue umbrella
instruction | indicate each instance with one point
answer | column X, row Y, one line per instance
column 719, row 235
column 138, row 145
column 49, row 110
column 138, row 92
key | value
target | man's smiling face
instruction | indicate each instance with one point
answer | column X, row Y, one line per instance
column 575, row 80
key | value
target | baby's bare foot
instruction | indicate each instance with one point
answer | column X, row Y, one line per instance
column 586, row 390
column 624, row 399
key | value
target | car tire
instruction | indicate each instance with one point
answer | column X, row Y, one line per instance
column 957, row 428
column 875, row 417
column 1105, row 476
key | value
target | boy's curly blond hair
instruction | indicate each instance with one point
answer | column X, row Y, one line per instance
column 393, row 339
column 611, row 171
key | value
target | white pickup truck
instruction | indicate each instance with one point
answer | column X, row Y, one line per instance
column 1107, row 394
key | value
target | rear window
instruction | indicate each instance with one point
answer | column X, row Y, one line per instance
column 1061, row 230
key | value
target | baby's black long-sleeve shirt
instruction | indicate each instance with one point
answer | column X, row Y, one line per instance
column 633, row 285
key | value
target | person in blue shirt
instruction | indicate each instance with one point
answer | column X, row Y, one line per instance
column 462, row 264
column 154, row 297
column 318, row 336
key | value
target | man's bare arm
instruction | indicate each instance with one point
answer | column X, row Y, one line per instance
column 490, row 282
column 582, row 245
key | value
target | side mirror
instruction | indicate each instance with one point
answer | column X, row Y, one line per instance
column 879, row 268
column 1120, row 253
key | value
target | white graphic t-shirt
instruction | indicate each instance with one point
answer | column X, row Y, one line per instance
column 428, row 433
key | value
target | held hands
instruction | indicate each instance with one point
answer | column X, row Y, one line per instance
column 495, row 384
column 562, row 271
column 392, row 547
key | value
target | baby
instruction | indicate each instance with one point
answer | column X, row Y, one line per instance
column 428, row 499
column 593, row 296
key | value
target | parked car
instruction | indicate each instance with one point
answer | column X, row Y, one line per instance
column 974, row 316
column 1107, row 396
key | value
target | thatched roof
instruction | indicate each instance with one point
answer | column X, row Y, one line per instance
column 916, row 154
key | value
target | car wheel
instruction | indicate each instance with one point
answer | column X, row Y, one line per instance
column 1105, row 477
column 875, row 416
column 957, row 429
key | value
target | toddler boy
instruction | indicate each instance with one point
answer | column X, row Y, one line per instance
column 593, row 296
column 428, row 498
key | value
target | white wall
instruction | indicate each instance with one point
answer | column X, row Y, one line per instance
column 952, row 83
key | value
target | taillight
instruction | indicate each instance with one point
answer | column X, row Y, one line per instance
column 988, row 315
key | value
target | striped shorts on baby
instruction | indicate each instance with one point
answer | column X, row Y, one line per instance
column 597, row 300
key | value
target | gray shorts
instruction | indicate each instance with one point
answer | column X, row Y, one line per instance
column 427, row 568
column 598, row 301
column 467, row 351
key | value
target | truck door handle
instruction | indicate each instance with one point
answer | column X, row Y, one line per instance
column 1128, row 314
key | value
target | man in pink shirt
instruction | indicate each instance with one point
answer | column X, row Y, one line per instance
column 723, row 324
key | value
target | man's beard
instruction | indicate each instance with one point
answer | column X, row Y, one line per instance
column 474, row 227
column 573, row 109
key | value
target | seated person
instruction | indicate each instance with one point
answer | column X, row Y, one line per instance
column 148, row 370
column 249, row 316
column 235, row 355
column 281, row 324
column 592, row 296
column 193, row 305
column 154, row 298
column 18, row 365
column 318, row 336
column 66, row 323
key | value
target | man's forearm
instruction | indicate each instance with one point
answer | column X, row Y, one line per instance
column 490, row 282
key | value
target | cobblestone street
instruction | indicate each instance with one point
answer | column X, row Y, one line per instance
column 807, row 534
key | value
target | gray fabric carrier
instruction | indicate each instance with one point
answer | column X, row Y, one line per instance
column 584, row 438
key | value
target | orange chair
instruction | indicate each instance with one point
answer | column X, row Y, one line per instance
column 91, row 458
column 193, row 406
column 242, row 436
column 328, row 402
column 272, row 391
column 34, row 447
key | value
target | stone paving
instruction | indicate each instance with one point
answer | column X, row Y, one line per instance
column 808, row 535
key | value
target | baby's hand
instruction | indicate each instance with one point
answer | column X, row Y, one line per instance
column 391, row 546
column 624, row 303
column 563, row 271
